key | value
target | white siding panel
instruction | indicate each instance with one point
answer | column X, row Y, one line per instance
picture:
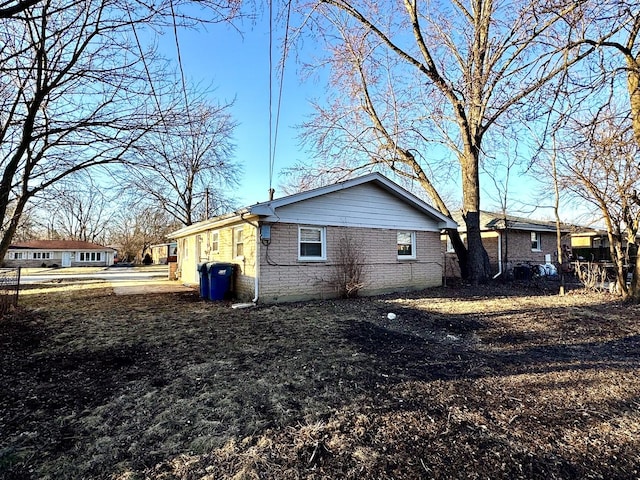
column 360, row 206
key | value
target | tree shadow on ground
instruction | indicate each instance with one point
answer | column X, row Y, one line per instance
column 157, row 377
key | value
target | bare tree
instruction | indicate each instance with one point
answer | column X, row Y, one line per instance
column 588, row 135
column 78, row 209
column 184, row 169
column 30, row 226
column 11, row 8
column 74, row 89
column 133, row 229
column 601, row 165
column 623, row 43
column 420, row 86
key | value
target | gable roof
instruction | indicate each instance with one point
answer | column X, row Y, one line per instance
column 268, row 209
column 58, row 245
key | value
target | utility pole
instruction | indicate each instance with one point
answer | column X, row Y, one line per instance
column 206, row 203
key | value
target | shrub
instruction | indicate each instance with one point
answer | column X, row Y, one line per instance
column 348, row 272
column 592, row 275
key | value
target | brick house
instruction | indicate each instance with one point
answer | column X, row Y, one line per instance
column 512, row 241
column 62, row 253
column 288, row 248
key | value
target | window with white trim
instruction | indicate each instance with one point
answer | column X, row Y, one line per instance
column 18, row 256
column 41, row 255
column 90, row 256
column 312, row 243
column 406, row 245
column 238, row 242
column 535, row 241
column 215, row 242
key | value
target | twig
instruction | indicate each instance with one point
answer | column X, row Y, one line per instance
column 317, row 453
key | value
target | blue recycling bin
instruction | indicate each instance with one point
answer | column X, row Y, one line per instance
column 220, row 280
column 203, row 271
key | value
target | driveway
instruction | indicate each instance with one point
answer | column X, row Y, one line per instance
column 123, row 280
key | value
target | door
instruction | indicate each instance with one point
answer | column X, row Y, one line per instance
column 66, row 259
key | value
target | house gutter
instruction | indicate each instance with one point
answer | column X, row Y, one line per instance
column 499, row 255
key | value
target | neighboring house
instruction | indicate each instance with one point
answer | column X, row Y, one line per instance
column 513, row 241
column 164, row 253
column 288, row 248
column 591, row 245
column 62, row 253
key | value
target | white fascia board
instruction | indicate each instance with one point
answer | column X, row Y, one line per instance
column 212, row 223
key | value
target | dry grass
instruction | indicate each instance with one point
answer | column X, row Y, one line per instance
column 462, row 384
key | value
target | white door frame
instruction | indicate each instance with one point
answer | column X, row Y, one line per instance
column 66, row 259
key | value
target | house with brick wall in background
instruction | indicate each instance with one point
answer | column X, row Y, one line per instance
column 290, row 248
column 60, row 253
column 512, row 242
column 164, row 253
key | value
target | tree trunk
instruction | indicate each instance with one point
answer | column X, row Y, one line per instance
column 461, row 252
column 634, row 288
column 615, row 250
column 10, row 231
column 456, row 241
column 633, row 85
column 478, row 260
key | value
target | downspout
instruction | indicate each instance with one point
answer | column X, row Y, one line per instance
column 257, row 267
column 499, row 256
column 256, row 281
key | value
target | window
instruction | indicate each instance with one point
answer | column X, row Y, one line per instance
column 238, row 242
column 18, row 255
column 535, row 241
column 184, row 248
column 41, row 255
column 90, row 256
column 406, row 245
column 215, row 241
column 311, row 243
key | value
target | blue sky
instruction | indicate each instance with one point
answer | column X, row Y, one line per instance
column 236, row 66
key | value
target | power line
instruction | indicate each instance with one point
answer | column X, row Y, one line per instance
column 273, row 135
column 184, row 85
column 270, row 156
column 153, row 89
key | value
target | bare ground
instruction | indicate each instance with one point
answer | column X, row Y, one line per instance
column 497, row 382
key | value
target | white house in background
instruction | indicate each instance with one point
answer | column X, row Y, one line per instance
column 288, row 248
column 63, row 253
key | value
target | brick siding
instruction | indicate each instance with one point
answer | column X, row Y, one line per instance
column 283, row 277
column 516, row 250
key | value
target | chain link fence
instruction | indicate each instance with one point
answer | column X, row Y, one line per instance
column 9, row 289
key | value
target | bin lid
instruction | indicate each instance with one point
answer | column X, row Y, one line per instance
column 203, row 267
column 221, row 268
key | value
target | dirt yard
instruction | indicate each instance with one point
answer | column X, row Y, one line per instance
column 486, row 383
